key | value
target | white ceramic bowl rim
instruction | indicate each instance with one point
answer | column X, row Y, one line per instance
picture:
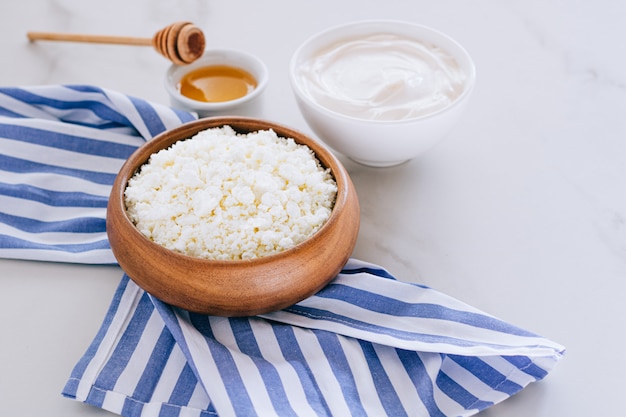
column 246, row 62
column 296, row 58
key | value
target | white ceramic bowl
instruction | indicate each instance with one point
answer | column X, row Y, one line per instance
column 380, row 143
column 244, row 106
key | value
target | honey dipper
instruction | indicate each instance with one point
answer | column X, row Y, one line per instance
column 181, row 42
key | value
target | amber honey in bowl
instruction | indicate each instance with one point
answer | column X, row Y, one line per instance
column 217, row 83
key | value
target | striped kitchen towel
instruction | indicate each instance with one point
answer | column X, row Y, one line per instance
column 60, row 150
column 367, row 344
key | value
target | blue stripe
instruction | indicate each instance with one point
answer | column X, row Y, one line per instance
column 131, row 407
column 188, row 377
column 292, row 353
column 368, row 270
column 384, row 388
column 9, row 113
column 71, row 386
column 95, row 397
column 185, row 386
column 85, row 88
column 154, row 367
column 226, row 366
column 393, row 307
column 526, row 365
column 106, row 114
column 247, row 343
column 126, row 346
column 76, row 225
column 172, row 410
column 182, row 115
column 64, row 141
column 10, row 242
column 81, row 365
column 170, row 318
column 168, row 315
column 318, row 314
column 17, row 165
column 149, row 116
column 486, row 373
column 421, row 380
column 379, row 272
column 338, row 362
column 53, row 198
column 459, row 394
column 169, row 410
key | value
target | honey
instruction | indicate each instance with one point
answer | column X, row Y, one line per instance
column 216, row 83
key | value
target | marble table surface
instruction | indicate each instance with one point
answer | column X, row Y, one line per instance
column 520, row 212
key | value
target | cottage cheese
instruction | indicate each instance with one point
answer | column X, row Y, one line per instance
column 223, row 195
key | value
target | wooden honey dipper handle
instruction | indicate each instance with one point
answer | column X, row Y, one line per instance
column 72, row 37
column 181, row 42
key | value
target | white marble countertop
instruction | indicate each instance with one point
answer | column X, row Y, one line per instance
column 520, row 212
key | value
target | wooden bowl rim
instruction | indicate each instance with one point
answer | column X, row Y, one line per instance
column 189, row 129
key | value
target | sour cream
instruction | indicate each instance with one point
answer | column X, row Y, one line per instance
column 383, row 77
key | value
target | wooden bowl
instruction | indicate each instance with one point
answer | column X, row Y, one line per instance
column 234, row 287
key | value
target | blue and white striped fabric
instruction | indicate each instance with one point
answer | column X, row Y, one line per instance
column 60, row 150
column 366, row 345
